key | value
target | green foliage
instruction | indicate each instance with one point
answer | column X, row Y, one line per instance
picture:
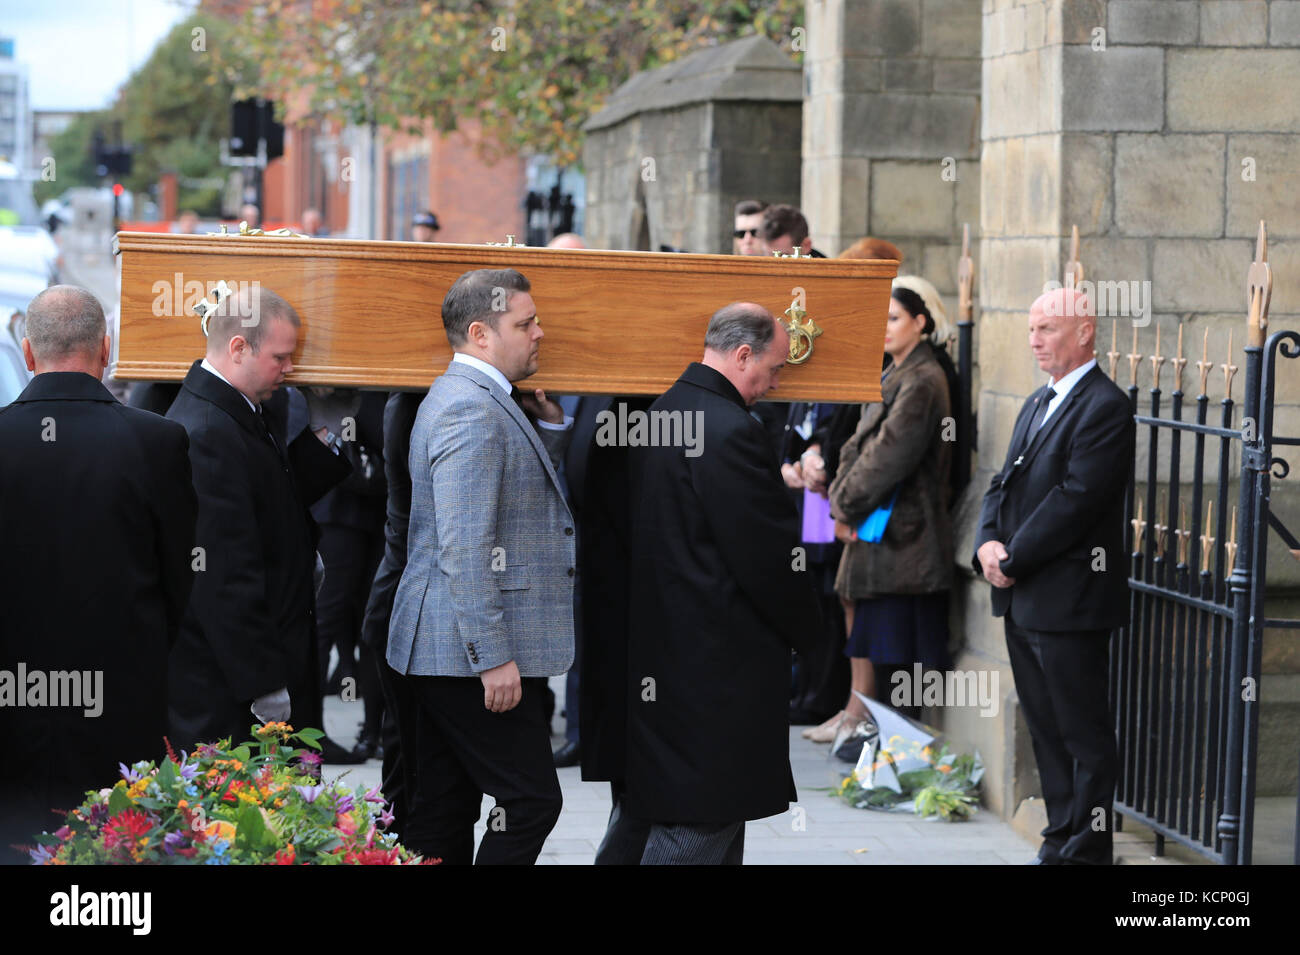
column 261, row 802
column 531, row 72
column 173, row 112
column 947, row 786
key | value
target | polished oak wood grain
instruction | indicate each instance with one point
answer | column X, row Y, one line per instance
column 614, row 322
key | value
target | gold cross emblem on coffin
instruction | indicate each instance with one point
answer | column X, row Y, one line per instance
column 802, row 331
column 616, row 323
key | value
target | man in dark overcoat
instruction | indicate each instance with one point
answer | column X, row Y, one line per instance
column 247, row 646
column 720, row 596
column 97, row 522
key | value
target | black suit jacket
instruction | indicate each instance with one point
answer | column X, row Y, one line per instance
column 96, row 524
column 718, row 600
column 399, row 418
column 250, row 626
column 1060, row 512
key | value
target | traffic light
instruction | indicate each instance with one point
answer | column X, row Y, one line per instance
column 117, row 189
column 253, row 119
column 111, row 161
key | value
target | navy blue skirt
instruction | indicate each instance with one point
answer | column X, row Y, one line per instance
column 901, row 629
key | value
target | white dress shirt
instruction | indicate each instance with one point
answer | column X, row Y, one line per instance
column 208, row 366
column 500, row 380
column 1064, row 386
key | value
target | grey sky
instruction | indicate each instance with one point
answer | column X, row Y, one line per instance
column 79, row 52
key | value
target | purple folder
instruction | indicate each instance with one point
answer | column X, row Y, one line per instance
column 818, row 525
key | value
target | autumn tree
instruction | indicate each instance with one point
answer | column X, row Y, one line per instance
column 530, row 71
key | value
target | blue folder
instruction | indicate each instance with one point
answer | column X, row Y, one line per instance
column 873, row 528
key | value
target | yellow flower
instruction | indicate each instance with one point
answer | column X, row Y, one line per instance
column 221, row 830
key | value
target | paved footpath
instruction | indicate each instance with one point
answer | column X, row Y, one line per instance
column 828, row 832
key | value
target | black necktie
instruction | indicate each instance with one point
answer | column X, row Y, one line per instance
column 518, row 397
column 1040, row 413
column 266, row 430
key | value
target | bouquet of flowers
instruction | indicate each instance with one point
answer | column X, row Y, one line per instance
column 936, row 783
column 903, row 765
column 258, row 803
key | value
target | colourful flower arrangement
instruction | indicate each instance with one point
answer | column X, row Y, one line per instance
column 905, row 773
column 258, row 803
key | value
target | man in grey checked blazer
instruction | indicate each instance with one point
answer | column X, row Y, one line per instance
column 484, row 611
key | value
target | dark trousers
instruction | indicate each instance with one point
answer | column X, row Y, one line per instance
column 695, row 844
column 625, row 835
column 822, row 672
column 462, row 750
column 351, row 557
column 1061, row 679
column 398, row 784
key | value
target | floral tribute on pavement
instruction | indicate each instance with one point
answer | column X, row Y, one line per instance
column 261, row 802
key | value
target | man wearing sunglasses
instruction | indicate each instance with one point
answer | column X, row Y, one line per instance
column 746, row 239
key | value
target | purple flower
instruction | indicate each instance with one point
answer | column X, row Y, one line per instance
column 128, row 773
column 173, row 841
column 386, row 818
column 374, row 795
column 309, row 793
column 188, row 770
column 310, row 764
column 206, row 751
column 98, row 814
column 41, row 855
column 344, row 804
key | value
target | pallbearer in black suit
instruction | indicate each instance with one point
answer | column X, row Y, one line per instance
column 1051, row 542
column 247, row 647
column 96, row 526
column 718, row 599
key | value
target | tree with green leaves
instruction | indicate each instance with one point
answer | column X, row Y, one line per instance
column 531, row 72
column 172, row 113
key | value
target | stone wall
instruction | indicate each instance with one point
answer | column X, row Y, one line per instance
column 675, row 149
column 1163, row 130
column 891, row 127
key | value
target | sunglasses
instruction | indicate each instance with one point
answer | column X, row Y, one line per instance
column 741, row 233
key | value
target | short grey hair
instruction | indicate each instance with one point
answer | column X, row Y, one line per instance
column 248, row 313
column 480, row 295
column 65, row 320
column 740, row 323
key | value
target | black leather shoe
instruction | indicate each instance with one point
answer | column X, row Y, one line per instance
column 368, row 747
column 332, row 752
column 567, row 755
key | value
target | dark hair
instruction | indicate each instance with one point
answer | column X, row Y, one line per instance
column 740, row 323
column 915, row 305
column 749, row 207
column 480, row 295
column 784, row 220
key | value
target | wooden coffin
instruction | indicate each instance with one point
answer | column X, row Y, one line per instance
column 614, row 322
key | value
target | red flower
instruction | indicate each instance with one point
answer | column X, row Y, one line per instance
column 285, row 856
column 127, row 831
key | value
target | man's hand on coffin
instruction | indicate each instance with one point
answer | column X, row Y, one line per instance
column 542, row 408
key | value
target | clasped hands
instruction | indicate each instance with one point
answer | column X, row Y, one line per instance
column 808, row 472
column 991, row 554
